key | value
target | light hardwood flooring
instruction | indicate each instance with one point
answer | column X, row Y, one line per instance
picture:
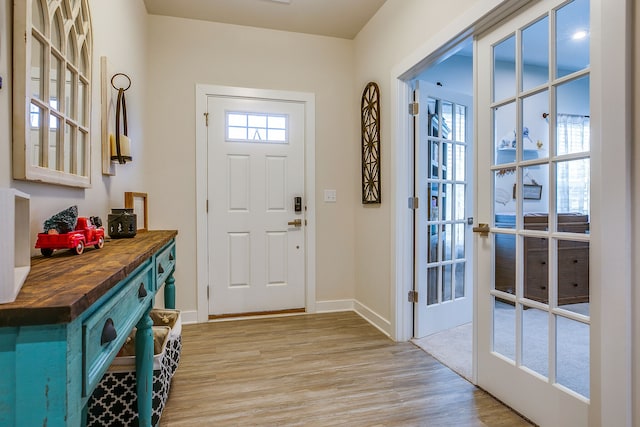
column 318, row 370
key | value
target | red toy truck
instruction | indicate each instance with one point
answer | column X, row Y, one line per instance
column 85, row 234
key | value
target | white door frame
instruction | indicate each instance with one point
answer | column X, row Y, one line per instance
column 613, row 391
column 202, row 256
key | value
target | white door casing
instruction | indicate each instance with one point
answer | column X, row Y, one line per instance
column 256, row 255
column 443, row 172
column 275, row 166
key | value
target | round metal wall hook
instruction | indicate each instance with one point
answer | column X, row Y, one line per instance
column 124, row 75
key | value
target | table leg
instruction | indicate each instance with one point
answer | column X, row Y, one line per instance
column 170, row 292
column 144, row 369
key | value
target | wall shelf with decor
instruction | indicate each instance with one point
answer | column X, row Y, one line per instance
column 15, row 258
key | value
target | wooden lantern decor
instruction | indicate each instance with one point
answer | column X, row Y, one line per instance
column 370, row 121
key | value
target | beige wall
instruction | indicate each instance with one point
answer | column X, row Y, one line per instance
column 183, row 53
column 398, row 29
column 126, row 49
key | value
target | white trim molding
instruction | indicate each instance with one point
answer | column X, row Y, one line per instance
column 202, row 257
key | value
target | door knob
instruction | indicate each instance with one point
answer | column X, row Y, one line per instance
column 295, row 223
column 483, row 229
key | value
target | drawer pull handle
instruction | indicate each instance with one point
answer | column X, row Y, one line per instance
column 171, row 258
column 142, row 292
column 160, row 269
column 108, row 332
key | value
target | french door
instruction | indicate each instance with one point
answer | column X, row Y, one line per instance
column 533, row 163
column 442, row 237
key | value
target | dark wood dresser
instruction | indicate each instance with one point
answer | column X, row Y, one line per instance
column 573, row 259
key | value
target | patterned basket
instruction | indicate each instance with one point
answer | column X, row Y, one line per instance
column 171, row 318
column 114, row 401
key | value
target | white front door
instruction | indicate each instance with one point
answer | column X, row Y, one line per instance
column 533, row 162
column 442, row 237
column 256, row 217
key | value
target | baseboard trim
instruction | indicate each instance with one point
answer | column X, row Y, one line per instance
column 188, row 317
column 379, row 322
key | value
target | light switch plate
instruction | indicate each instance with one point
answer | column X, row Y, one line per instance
column 330, row 196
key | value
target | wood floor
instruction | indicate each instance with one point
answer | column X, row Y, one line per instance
column 318, row 370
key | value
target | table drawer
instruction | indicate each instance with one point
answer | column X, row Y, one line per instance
column 104, row 332
column 165, row 263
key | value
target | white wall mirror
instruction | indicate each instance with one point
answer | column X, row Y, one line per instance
column 52, row 91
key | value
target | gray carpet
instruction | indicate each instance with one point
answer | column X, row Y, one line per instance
column 454, row 347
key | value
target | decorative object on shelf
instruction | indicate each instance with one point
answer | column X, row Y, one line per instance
column 120, row 143
column 62, row 222
column 370, row 127
column 122, row 223
column 57, row 235
column 138, row 202
column 15, row 245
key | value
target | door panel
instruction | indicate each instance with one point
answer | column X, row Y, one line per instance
column 256, row 164
column 538, row 245
column 443, row 258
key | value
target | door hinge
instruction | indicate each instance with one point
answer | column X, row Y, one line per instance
column 413, row 203
column 207, row 207
column 413, row 296
column 206, row 119
column 414, row 108
column 207, row 292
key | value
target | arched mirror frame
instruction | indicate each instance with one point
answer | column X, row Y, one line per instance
column 52, row 92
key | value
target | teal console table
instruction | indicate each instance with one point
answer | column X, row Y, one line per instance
column 69, row 320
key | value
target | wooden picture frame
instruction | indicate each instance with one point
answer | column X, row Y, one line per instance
column 530, row 191
column 138, row 202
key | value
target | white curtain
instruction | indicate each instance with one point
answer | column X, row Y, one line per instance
column 573, row 176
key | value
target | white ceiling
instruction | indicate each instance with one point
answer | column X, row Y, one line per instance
column 335, row 18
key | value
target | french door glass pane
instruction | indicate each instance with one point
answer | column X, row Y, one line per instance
column 433, row 121
column 504, row 130
column 572, row 37
column 535, row 54
column 460, row 205
column 572, row 121
column 460, row 240
column 534, row 195
column 504, row 327
column 503, row 197
column 460, row 279
column 461, row 161
column 447, row 238
column 573, row 276
column 572, row 361
column 504, row 69
column 535, row 340
column 535, row 129
column 432, row 285
column 447, row 160
column 434, row 240
column 505, row 263
column 573, row 188
column 434, row 156
column 447, row 282
column 447, row 120
column 536, row 269
column 461, row 123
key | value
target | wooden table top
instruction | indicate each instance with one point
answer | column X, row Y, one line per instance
column 60, row 288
